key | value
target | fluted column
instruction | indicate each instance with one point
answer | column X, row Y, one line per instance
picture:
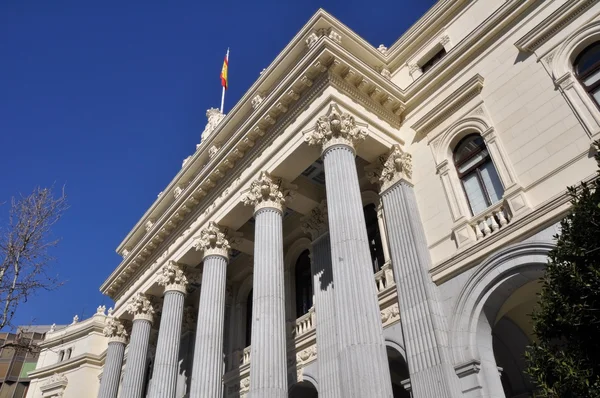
column 111, row 375
column 166, row 366
column 268, row 367
column 364, row 369
column 423, row 323
column 207, row 368
column 135, row 368
column 327, row 339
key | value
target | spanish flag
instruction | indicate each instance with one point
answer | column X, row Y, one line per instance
column 224, row 81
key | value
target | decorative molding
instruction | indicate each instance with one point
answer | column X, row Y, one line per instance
column 115, row 330
column 390, row 314
column 266, row 191
column 54, row 386
column 397, row 166
column 215, row 117
column 444, row 40
column 316, row 223
column 149, row 224
column 141, row 307
column 213, row 241
column 335, row 128
column 383, row 50
column 56, row 378
column 449, row 105
column 172, row 277
column 257, row 100
column 546, row 29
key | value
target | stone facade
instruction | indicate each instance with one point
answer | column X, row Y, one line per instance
column 373, row 225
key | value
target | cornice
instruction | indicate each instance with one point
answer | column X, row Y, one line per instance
column 546, row 29
column 449, row 105
column 73, row 363
column 93, row 325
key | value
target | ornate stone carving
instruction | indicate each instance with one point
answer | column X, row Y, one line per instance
column 101, row 310
column 390, row 314
column 311, row 39
column 445, row 39
column 213, row 241
column 316, row 223
column 115, row 330
column 245, row 385
column 385, row 72
column 306, row 355
column 140, row 307
column 256, row 100
column 266, row 191
column 56, row 378
column 214, row 116
column 126, row 251
column 335, row 128
column 172, row 277
column 383, row 49
column 110, row 311
column 397, row 165
column 335, row 36
column 412, row 68
column 212, row 151
column 149, row 224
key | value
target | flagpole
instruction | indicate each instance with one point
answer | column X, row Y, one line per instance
column 223, row 94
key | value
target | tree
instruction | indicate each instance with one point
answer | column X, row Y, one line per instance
column 565, row 359
column 25, row 244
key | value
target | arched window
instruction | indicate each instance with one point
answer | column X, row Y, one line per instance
column 249, row 319
column 304, row 288
column 587, row 69
column 477, row 173
column 374, row 237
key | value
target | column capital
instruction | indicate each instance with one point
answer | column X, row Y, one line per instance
column 316, row 223
column 335, row 128
column 115, row 331
column 266, row 192
column 213, row 241
column 140, row 306
column 173, row 278
column 394, row 167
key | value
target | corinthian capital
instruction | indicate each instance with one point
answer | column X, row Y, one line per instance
column 397, row 166
column 316, row 223
column 213, row 241
column 140, row 307
column 335, row 128
column 172, row 277
column 115, row 330
column 266, row 191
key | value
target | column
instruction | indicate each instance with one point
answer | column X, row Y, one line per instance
column 327, row 340
column 423, row 324
column 268, row 367
column 364, row 369
column 135, row 369
column 111, row 375
column 166, row 366
column 207, row 368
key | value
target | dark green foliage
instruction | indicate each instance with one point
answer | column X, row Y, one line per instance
column 565, row 361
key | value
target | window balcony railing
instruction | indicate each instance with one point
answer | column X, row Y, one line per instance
column 491, row 220
column 305, row 323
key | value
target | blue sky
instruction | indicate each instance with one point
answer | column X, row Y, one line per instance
column 109, row 97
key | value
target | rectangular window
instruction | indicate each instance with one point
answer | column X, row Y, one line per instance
column 433, row 60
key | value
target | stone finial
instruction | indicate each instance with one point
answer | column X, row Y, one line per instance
column 382, row 49
column 172, row 277
column 115, row 330
column 335, row 128
column 214, row 116
column 101, row 310
column 140, row 307
column 316, row 223
column 75, row 319
column 213, row 241
column 110, row 311
column 397, row 165
column 266, row 191
column 52, row 328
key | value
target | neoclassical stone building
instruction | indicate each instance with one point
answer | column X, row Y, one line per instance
column 365, row 222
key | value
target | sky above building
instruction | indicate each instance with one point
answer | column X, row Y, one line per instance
column 107, row 98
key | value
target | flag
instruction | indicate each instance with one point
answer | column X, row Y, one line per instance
column 224, row 81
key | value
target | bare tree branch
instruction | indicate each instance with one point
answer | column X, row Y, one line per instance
column 24, row 249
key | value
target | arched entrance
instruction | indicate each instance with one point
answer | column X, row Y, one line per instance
column 493, row 320
column 398, row 372
column 303, row 389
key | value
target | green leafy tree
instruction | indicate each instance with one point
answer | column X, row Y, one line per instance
column 564, row 362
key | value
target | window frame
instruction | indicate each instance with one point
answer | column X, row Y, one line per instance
column 595, row 68
column 474, row 169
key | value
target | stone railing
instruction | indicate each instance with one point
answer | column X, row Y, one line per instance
column 493, row 219
column 305, row 323
column 384, row 277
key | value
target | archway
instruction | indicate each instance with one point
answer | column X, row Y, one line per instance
column 304, row 389
column 398, row 372
column 493, row 325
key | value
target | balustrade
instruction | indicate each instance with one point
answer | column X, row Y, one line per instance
column 493, row 219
